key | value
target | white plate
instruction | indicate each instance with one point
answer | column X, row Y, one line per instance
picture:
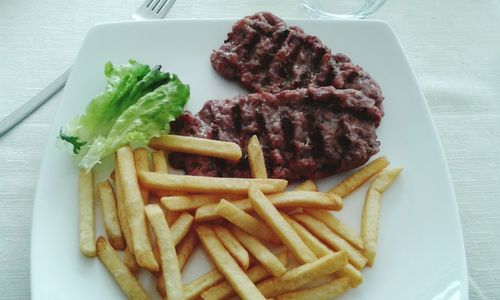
column 420, row 252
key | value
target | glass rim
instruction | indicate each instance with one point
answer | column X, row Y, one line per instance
column 369, row 7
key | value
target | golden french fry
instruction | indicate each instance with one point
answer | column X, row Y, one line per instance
column 184, row 251
column 205, row 184
column 325, row 291
column 192, row 145
column 239, row 253
column 87, row 213
column 186, row 248
column 307, row 185
column 122, row 275
column 168, row 193
column 260, row 252
column 357, row 179
column 129, row 261
column 192, row 202
column 283, row 200
column 354, row 275
column 320, row 250
column 371, row 211
column 135, row 210
column 270, row 214
column 256, row 158
column 246, row 222
column 122, row 211
column 383, row 180
column 181, row 227
column 245, row 288
column 317, row 247
column 193, row 289
column 300, row 276
column 346, row 232
column 110, row 216
column 325, row 234
column 169, row 262
column 141, row 160
column 159, row 160
column 257, row 273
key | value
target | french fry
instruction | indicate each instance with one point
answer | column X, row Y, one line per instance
column 129, row 261
column 193, row 289
column 184, row 251
column 141, row 160
column 185, row 144
column 245, row 288
column 267, row 259
column 256, row 158
column 169, row 261
column 239, row 253
column 122, row 275
column 246, row 222
column 346, row 232
column 110, row 216
column 280, row 226
column 371, row 211
column 135, row 210
column 282, row 200
column 325, row 291
column 357, row 179
column 122, row 212
column 192, row 202
column 354, row 275
column 159, row 161
column 320, row 250
column 325, row 234
column 300, row 276
column 205, row 184
column 87, row 213
column 257, row 273
column 307, row 186
column 181, row 227
column 186, row 247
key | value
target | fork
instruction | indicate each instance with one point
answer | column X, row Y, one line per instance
column 150, row 9
column 153, row 9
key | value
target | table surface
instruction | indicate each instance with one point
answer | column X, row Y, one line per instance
column 453, row 46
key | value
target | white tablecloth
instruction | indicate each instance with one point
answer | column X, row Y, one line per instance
column 454, row 47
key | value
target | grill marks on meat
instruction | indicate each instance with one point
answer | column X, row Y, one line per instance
column 267, row 55
column 305, row 133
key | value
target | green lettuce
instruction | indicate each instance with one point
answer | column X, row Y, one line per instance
column 138, row 104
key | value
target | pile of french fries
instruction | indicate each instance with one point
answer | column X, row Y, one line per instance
column 264, row 241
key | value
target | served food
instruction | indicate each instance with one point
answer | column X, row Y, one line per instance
column 314, row 112
column 323, row 246
column 138, row 104
column 265, row 54
column 314, row 115
column 304, row 133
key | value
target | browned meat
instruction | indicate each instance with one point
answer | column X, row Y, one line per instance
column 266, row 55
column 305, row 133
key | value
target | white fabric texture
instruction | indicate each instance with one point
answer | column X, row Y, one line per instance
column 453, row 46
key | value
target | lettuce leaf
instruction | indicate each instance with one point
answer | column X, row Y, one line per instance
column 149, row 117
column 99, row 131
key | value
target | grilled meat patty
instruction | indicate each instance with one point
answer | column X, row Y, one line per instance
column 305, row 133
column 266, row 55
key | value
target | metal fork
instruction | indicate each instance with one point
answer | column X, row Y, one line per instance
column 150, row 9
column 153, row 9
